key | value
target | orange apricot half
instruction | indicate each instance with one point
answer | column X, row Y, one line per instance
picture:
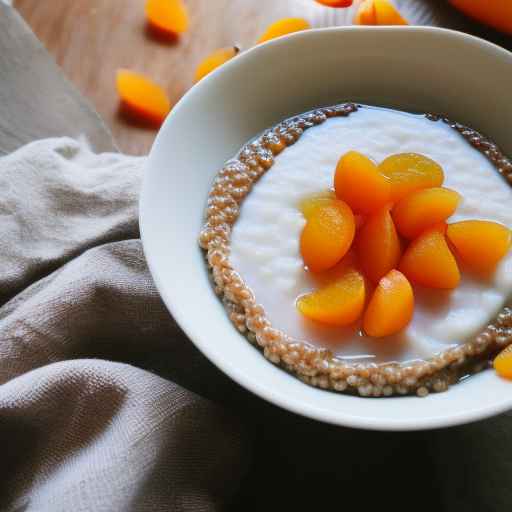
column 409, row 172
column 283, row 27
column 338, row 303
column 391, row 306
column 422, row 209
column 311, row 203
column 503, row 363
column 335, row 3
column 360, row 184
column 214, row 60
column 170, row 16
column 378, row 245
column 142, row 97
column 481, row 244
column 429, row 262
column 365, row 14
column 386, row 13
column 327, row 236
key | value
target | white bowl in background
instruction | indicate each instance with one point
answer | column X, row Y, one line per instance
column 412, row 68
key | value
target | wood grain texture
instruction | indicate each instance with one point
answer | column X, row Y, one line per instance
column 90, row 39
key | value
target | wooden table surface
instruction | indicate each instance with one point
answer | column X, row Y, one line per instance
column 90, row 39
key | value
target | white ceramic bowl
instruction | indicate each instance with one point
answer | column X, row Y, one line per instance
column 418, row 68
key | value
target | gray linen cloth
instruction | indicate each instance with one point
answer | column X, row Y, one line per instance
column 89, row 434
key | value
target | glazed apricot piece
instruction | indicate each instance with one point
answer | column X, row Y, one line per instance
column 327, row 236
column 391, row 306
column 169, row 16
column 311, row 203
column 283, row 27
column 360, row 184
column 503, row 363
column 141, row 97
column 481, row 244
column 335, row 3
column 429, row 262
column 378, row 245
column 214, row 60
column 339, row 303
column 422, row 209
column 386, row 13
column 409, row 172
column 365, row 14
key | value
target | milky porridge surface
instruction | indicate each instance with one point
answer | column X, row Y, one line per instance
column 265, row 238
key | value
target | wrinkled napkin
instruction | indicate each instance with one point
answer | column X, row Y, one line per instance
column 80, row 433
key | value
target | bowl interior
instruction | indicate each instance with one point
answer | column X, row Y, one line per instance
column 411, row 68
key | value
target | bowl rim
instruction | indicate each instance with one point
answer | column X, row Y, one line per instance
column 183, row 320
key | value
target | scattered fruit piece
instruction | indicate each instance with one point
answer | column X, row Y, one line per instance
column 387, row 14
column 503, row 363
column 422, row 209
column 429, row 262
column 142, row 97
column 339, row 303
column 214, row 60
column 365, row 14
column 359, row 183
column 481, row 244
column 283, row 27
column 335, row 3
column 327, row 236
column 409, row 172
column 378, row 245
column 169, row 16
column 496, row 13
column 391, row 307
column 311, row 203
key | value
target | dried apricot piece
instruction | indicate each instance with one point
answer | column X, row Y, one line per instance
column 360, row 184
column 409, row 172
column 503, row 363
column 338, row 303
column 387, row 14
column 481, row 244
column 214, row 60
column 378, row 245
column 429, row 262
column 142, row 97
column 422, row 209
column 169, row 16
column 335, row 3
column 282, row 27
column 391, row 306
column 365, row 14
column 327, row 236
column 311, row 203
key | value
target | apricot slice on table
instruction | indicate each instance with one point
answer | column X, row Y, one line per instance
column 335, row 3
column 338, row 303
column 481, row 244
column 387, row 14
column 429, row 262
column 360, row 184
column 365, row 14
column 327, row 236
column 409, row 172
column 142, row 97
column 283, row 27
column 503, row 363
column 378, row 245
column 391, row 306
column 422, row 209
column 170, row 16
column 214, row 60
